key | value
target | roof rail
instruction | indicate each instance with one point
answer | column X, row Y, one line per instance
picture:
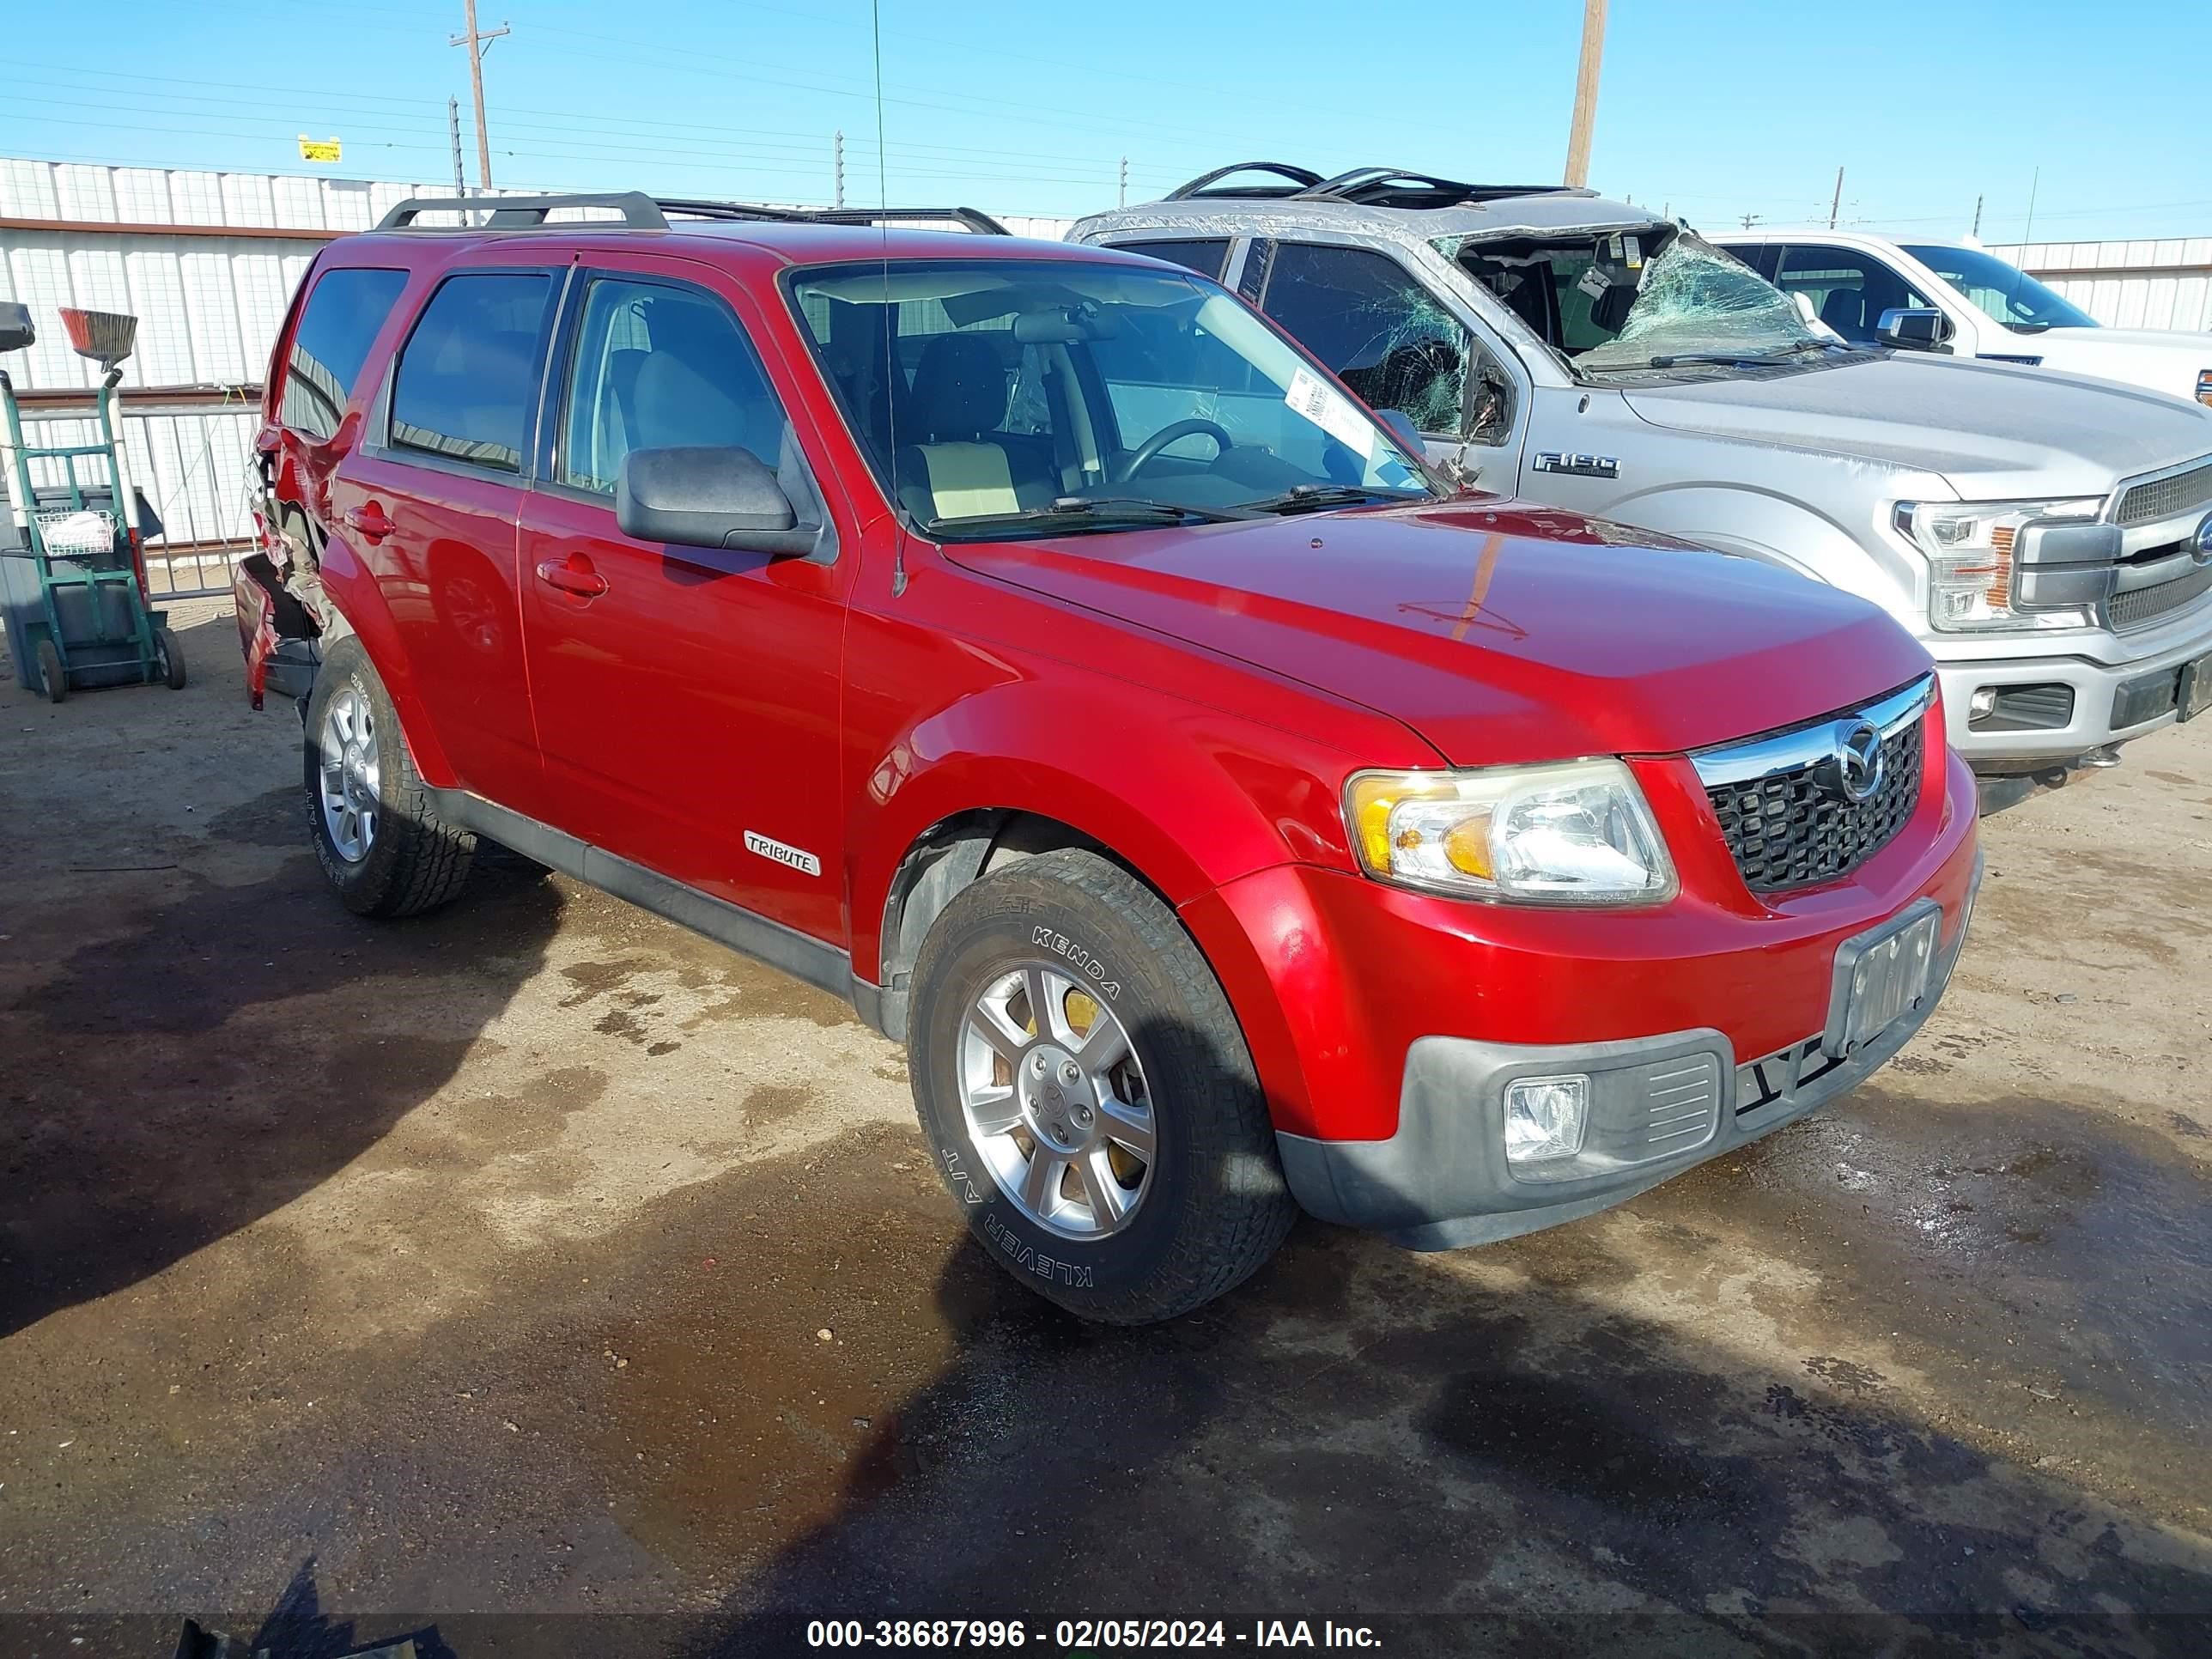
column 1367, row 186
column 1394, row 187
column 524, row 212
column 642, row 212
column 1302, row 179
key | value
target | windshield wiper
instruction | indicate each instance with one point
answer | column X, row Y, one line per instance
column 1097, row 509
column 1307, row 497
column 1744, row 359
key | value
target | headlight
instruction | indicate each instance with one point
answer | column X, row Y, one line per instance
column 2204, row 386
column 1969, row 549
column 1574, row 833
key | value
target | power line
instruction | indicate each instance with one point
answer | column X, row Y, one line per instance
column 478, row 42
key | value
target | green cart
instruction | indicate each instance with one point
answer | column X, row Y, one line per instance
column 72, row 584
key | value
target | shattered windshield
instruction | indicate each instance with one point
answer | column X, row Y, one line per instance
column 1610, row 301
column 2002, row 292
column 1050, row 397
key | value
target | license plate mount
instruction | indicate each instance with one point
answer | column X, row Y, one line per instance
column 2194, row 696
column 1882, row 975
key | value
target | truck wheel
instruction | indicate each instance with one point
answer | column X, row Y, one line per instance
column 52, row 680
column 168, row 661
column 380, row 840
column 1088, row 1096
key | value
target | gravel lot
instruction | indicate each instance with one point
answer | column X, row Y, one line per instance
column 538, row 1278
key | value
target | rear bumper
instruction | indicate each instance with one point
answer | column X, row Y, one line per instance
column 1442, row 1180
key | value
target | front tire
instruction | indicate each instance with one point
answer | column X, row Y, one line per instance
column 1088, row 1095
column 376, row 833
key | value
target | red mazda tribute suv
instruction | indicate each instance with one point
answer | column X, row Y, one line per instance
column 1032, row 645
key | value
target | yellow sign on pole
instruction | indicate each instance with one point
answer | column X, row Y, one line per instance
column 318, row 149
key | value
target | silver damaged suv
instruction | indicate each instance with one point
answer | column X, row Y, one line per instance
column 2048, row 538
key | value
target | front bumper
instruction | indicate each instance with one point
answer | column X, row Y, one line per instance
column 2055, row 707
column 1442, row 1180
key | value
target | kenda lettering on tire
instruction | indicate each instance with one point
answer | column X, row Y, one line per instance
column 1060, row 946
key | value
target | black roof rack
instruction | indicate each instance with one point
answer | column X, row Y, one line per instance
column 1392, row 187
column 1301, row 179
column 642, row 212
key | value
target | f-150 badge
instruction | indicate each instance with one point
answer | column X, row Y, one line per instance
column 1581, row 467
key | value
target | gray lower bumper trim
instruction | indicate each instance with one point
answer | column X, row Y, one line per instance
column 1442, row 1182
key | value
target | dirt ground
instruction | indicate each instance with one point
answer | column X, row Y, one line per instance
column 538, row 1278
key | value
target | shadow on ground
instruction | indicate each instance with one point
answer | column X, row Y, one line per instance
column 185, row 1073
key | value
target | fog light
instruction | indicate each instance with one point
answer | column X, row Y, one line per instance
column 1545, row 1117
column 1983, row 701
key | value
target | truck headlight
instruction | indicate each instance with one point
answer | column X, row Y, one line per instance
column 1970, row 571
column 1576, row 832
column 2204, row 386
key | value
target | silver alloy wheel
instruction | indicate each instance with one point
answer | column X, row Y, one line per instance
column 1056, row 1103
column 349, row 773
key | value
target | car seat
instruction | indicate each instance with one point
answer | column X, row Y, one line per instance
column 963, row 464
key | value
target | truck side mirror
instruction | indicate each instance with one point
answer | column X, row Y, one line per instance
column 708, row 495
column 1915, row 329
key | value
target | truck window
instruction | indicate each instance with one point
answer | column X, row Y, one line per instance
column 1387, row 337
column 338, row 324
column 1207, row 256
column 1850, row 290
column 659, row 365
column 467, row 379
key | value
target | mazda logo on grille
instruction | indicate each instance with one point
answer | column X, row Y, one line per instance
column 1858, row 759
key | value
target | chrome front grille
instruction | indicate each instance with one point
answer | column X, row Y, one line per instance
column 2140, row 606
column 2161, row 498
column 1782, row 799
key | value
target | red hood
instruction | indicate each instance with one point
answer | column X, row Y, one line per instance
column 1500, row 632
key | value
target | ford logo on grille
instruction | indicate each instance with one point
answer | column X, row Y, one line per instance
column 2201, row 544
column 1858, row 759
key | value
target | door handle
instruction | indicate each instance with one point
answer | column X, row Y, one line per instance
column 369, row 520
column 573, row 574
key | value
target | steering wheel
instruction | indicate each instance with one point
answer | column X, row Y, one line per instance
column 1172, row 432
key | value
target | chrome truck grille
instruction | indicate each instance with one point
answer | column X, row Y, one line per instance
column 2161, row 498
column 1812, row 803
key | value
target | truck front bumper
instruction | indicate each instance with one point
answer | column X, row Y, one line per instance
column 2051, row 709
column 1443, row 1181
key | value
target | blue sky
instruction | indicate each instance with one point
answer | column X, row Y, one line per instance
column 1715, row 109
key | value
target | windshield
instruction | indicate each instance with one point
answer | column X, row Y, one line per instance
column 2001, row 292
column 1611, row 301
column 1060, row 394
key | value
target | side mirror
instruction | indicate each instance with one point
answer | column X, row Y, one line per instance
column 708, row 496
column 15, row 329
column 1915, row 329
column 1401, row 426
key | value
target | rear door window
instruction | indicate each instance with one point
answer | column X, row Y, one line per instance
column 657, row 365
column 344, row 310
column 466, row 386
column 1387, row 337
column 1207, row 256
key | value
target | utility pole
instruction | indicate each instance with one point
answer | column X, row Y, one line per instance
column 1125, row 181
column 2029, row 235
column 453, row 126
column 1976, row 231
column 1585, row 117
column 1835, row 202
column 837, row 198
column 479, row 41
column 1749, row 220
